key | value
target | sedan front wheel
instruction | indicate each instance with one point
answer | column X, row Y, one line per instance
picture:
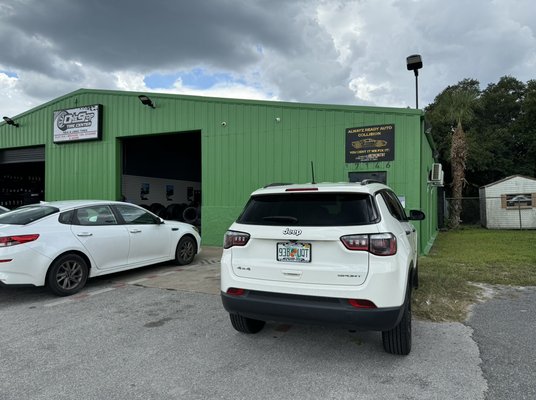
column 67, row 275
column 186, row 250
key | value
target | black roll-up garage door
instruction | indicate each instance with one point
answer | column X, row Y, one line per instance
column 22, row 155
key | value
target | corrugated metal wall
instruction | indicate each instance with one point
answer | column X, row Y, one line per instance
column 245, row 145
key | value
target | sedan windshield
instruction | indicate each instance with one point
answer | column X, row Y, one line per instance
column 25, row 215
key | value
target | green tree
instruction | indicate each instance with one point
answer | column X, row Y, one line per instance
column 452, row 109
column 499, row 131
column 525, row 132
column 496, row 143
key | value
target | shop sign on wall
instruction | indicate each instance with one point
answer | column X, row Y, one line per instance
column 76, row 124
column 370, row 144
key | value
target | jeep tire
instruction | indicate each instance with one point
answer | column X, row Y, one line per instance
column 398, row 340
column 246, row 325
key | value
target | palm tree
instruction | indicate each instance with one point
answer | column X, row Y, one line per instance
column 457, row 105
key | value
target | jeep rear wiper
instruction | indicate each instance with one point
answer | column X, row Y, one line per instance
column 281, row 218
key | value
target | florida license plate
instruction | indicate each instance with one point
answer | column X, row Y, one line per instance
column 294, row 252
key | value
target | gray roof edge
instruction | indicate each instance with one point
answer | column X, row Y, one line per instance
column 506, row 179
column 349, row 107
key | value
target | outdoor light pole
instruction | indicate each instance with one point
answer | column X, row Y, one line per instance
column 414, row 63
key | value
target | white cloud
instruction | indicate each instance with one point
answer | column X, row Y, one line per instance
column 14, row 99
column 367, row 91
column 131, row 81
column 226, row 90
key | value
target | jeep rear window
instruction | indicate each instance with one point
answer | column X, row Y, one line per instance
column 25, row 215
column 309, row 209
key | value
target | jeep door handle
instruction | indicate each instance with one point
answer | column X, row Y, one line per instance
column 409, row 232
column 135, row 230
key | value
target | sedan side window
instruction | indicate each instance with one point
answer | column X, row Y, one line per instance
column 94, row 216
column 66, row 217
column 135, row 215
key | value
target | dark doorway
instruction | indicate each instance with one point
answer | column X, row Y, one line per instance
column 163, row 174
column 22, row 176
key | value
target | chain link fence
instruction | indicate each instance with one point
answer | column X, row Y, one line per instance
column 490, row 212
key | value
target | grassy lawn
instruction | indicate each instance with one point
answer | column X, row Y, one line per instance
column 468, row 255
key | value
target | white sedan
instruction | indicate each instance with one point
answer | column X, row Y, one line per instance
column 62, row 244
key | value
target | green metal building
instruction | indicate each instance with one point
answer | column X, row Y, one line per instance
column 170, row 149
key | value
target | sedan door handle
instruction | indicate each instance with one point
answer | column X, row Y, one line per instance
column 135, row 231
column 83, row 234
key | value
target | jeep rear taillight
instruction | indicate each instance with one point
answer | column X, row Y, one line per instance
column 382, row 244
column 234, row 238
column 356, row 242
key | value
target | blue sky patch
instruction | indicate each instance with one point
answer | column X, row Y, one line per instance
column 196, row 78
column 9, row 73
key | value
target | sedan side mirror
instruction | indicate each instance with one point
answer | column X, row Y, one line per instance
column 416, row 215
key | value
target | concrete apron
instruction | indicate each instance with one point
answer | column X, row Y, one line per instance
column 202, row 276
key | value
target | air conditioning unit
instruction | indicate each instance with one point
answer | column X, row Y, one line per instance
column 436, row 175
column 437, row 172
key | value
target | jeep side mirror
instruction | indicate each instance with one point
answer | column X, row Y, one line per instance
column 416, row 215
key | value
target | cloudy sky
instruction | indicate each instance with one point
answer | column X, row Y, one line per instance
column 317, row 51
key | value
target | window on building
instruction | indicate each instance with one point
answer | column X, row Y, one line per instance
column 518, row 200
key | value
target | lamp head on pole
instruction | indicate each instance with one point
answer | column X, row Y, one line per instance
column 414, row 63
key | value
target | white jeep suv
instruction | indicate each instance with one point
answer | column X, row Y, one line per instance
column 329, row 253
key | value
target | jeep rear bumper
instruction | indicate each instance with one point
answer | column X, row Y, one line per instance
column 290, row 308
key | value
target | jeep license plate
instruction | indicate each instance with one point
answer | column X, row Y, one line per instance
column 294, row 252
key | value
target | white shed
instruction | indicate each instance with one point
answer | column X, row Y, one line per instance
column 509, row 203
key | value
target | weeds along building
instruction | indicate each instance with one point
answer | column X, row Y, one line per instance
column 199, row 158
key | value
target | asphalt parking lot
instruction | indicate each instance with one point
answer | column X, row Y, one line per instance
column 161, row 333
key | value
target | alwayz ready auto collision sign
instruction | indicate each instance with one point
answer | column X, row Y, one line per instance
column 370, row 143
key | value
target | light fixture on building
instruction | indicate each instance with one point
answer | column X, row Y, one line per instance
column 9, row 121
column 414, row 63
column 146, row 101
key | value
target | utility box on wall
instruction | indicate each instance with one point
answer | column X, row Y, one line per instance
column 234, row 146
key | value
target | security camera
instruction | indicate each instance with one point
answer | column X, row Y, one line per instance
column 224, row 123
